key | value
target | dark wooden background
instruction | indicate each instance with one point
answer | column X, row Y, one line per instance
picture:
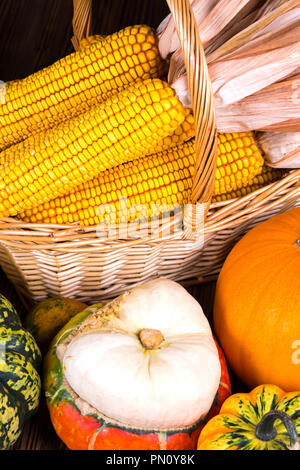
column 34, row 34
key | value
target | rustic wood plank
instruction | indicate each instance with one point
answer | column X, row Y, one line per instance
column 35, row 36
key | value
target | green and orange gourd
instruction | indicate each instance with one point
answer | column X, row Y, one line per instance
column 152, row 373
column 267, row 418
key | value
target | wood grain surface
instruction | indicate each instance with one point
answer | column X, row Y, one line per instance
column 33, row 34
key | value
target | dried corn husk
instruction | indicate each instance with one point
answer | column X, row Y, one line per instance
column 251, row 71
column 268, row 6
column 266, row 65
column 282, row 150
column 212, row 17
column 276, row 107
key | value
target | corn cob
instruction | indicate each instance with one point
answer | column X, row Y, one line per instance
column 74, row 83
column 164, row 179
column 238, row 161
column 267, row 175
column 57, row 160
column 85, row 42
column 183, row 133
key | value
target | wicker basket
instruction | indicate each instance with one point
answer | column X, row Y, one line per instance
column 82, row 262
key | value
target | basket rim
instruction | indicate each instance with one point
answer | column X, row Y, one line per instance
column 76, row 238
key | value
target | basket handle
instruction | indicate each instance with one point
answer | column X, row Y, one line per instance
column 199, row 85
column 82, row 21
column 202, row 100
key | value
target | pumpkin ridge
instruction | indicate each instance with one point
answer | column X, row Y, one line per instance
column 19, row 398
column 92, row 439
column 262, row 401
column 23, row 374
column 296, row 415
column 287, row 402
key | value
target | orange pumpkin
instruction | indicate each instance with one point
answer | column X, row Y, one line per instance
column 257, row 304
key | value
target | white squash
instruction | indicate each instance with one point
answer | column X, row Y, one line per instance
column 151, row 364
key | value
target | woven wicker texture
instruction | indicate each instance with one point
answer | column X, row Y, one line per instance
column 82, row 20
column 44, row 260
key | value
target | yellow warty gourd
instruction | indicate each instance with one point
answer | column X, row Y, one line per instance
column 53, row 162
column 72, row 84
column 151, row 185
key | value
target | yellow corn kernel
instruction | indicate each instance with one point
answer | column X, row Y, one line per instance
column 73, row 84
column 235, row 168
column 85, row 42
column 183, row 133
column 266, row 176
column 59, row 159
column 164, row 179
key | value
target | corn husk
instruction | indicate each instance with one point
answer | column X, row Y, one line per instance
column 218, row 21
column 281, row 150
column 212, row 16
column 255, row 73
column 274, row 108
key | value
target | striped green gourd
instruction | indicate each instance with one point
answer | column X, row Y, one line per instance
column 19, row 379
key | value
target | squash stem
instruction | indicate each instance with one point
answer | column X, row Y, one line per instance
column 266, row 431
column 298, row 242
column 151, row 339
